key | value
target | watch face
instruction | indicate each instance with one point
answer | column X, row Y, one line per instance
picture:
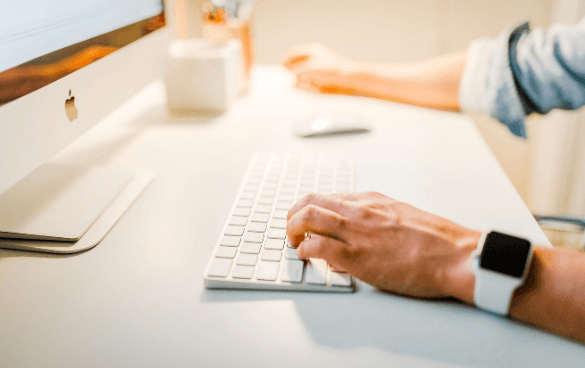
column 504, row 254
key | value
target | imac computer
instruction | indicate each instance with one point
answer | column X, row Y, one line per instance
column 64, row 66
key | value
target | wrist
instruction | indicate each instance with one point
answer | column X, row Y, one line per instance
column 460, row 280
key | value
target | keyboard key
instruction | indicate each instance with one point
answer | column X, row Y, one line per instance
column 234, row 230
column 243, row 272
column 271, row 255
column 268, row 193
column 342, row 188
column 266, row 200
column 292, row 271
column 260, row 217
column 253, row 248
column 226, row 252
column 238, row 220
column 287, row 190
column 306, row 188
column 230, row 241
column 254, row 237
column 220, row 267
column 246, row 203
column 316, row 272
column 280, row 214
column 276, row 233
column 285, row 198
column 257, row 227
column 251, row 187
column 339, row 279
column 248, row 195
column 303, row 193
column 276, row 244
column 291, row 253
column 278, row 224
column 239, row 211
column 263, row 208
column 267, row 271
column 270, row 185
column 245, row 259
column 283, row 206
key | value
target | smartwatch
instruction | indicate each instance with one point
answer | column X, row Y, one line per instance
column 500, row 265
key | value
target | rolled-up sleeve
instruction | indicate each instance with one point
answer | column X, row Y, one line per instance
column 522, row 72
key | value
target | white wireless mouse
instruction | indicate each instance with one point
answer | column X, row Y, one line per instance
column 330, row 124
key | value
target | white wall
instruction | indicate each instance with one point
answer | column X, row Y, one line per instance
column 401, row 31
column 386, row 30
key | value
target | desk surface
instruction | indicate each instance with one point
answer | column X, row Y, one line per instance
column 137, row 299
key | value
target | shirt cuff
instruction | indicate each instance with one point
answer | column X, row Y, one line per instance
column 487, row 83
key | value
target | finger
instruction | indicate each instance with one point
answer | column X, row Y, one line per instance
column 350, row 196
column 321, row 200
column 360, row 196
column 303, row 81
column 291, row 61
column 318, row 80
column 295, row 54
column 306, row 84
column 315, row 220
column 331, row 250
column 338, row 268
column 310, row 88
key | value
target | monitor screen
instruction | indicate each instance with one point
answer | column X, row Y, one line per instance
column 44, row 41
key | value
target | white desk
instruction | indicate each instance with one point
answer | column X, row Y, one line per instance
column 137, row 299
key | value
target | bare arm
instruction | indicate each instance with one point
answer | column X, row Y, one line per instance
column 432, row 83
column 401, row 249
column 553, row 297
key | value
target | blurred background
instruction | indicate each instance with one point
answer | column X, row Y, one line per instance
column 548, row 169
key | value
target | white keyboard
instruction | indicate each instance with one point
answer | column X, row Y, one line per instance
column 253, row 251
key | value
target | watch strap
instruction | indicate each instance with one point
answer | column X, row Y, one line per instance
column 493, row 292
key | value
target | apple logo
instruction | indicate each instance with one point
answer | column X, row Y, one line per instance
column 70, row 108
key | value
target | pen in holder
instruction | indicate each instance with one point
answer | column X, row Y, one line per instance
column 232, row 22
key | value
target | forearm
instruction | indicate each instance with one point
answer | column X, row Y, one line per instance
column 553, row 297
column 432, row 83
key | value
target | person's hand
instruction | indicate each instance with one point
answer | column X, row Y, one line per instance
column 386, row 243
column 319, row 68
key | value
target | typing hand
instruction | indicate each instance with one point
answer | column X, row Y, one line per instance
column 319, row 68
column 386, row 243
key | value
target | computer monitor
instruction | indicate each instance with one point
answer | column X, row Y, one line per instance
column 64, row 66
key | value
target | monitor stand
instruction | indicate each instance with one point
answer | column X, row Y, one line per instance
column 67, row 209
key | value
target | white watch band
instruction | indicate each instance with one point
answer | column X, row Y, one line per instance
column 493, row 291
